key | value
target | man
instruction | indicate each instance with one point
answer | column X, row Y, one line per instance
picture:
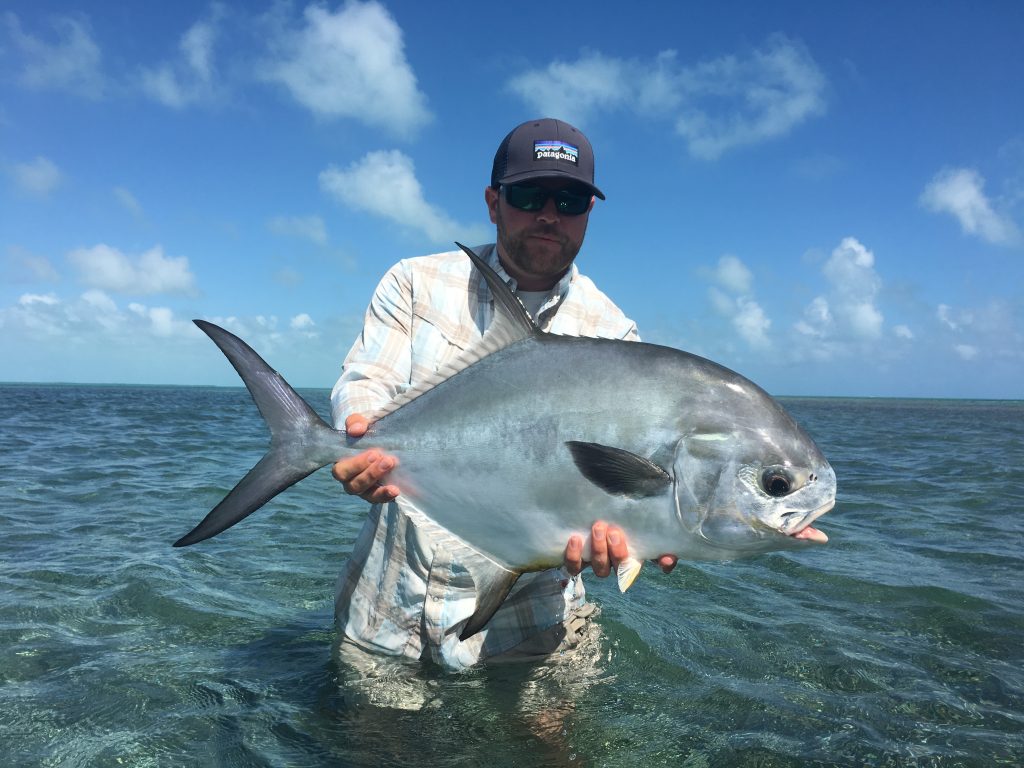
column 401, row 594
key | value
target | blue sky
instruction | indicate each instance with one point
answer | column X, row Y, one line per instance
column 827, row 198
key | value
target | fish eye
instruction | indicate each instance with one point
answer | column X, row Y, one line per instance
column 776, row 481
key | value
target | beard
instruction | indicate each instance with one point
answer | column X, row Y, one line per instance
column 537, row 259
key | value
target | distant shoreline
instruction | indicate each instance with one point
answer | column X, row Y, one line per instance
column 239, row 387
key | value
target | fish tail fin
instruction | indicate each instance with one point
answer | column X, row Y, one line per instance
column 301, row 442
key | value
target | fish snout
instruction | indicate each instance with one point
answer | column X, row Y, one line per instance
column 798, row 524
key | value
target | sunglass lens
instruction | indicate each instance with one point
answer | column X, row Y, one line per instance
column 572, row 203
column 527, row 198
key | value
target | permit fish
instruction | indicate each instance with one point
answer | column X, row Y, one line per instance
column 529, row 437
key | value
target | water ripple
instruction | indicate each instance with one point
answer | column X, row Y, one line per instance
column 901, row 643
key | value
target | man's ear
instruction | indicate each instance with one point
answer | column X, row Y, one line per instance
column 491, row 196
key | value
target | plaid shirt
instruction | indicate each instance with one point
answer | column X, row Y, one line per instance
column 398, row 593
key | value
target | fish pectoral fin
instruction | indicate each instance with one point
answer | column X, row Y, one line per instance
column 617, row 471
column 492, row 588
column 627, row 572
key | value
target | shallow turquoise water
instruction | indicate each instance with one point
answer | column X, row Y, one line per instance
column 899, row 643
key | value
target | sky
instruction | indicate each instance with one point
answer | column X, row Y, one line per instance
column 827, row 198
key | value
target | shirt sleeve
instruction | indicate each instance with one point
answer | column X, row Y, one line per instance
column 378, row 366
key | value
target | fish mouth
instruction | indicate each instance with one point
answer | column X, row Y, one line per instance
column 806, row 532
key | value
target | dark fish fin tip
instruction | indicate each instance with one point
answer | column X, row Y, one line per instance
column 505, row 301
column 490, row 595
column 285, row 412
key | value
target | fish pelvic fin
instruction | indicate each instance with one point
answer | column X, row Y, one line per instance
column 492, row 587
column 617, row 471
column 301, row 442
column 627, row 572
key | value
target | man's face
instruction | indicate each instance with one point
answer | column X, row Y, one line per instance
column 536, row 247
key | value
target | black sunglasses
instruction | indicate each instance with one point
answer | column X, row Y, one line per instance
column 527, row 198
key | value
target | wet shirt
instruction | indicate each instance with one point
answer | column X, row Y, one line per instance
column 399, row 593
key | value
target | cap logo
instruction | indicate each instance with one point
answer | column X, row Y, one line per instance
column 556, row 150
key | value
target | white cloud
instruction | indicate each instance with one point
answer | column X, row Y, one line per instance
column 846, row 318
column 350, row 63
column 953, row 319
column 577, row 89
column 303, row 325
column 109, row 269
column 854, row 288
column 722, row 302
column 993, row 329
column 966, row 351
column 865, row 319
column 129, row 201
column 307, row 227
column 37, row 315
column 91, row 316
column 39, row 177
column 20, row 265
column 760, row 97
column 715, row 105
column 751, row 322
column 301, row 322
column 960, row 193
column 190, row 78
column 903, row 332
column 748, row 318
column 733, row 274
column 28, row 299
column 817, row 320
column 71, row 63
column 161, row 320
column 384, row 183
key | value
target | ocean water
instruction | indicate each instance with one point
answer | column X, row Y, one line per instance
column 900, row 643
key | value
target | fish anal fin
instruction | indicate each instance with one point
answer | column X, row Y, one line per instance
column 627, row 572
column 492, row 588
column 617, row 471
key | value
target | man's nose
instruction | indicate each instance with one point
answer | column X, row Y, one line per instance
column 549, row 212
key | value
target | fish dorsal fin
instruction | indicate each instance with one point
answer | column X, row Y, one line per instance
column 511, row 323
column 511, row 320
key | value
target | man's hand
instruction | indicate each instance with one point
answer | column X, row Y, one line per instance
column 607, row 549
column 361, row 475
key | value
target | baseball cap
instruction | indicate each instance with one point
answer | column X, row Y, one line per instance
column 544, row 149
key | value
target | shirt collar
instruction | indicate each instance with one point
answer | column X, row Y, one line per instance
column 489, row 253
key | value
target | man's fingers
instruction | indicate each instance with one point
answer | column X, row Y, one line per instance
column 346, row 470
column 381, row 494
column 617, row 549
column 667, row 563
column 599, row 549
column 370, row 477
column 356, row 425
column 361, row 476
column 573, row 559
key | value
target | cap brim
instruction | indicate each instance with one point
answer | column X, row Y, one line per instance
column 516, row 178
